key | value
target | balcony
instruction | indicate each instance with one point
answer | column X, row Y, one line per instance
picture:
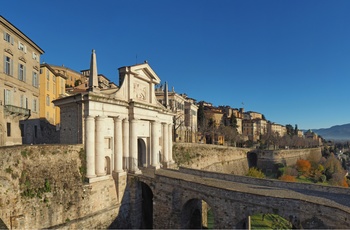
column 15, row 110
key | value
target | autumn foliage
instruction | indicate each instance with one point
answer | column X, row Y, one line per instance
column 286, row 177
column 303, row 166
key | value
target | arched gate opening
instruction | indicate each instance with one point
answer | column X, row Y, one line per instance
column 197, row 214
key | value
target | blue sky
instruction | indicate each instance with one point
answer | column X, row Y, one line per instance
column 289, row 60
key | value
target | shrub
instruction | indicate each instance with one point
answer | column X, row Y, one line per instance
column 303, row 166
column 255, row 172
column 291, row 171
column 288, row 178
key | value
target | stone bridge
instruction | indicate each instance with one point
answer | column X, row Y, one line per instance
column 175, row 199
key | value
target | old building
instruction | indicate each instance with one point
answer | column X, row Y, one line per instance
column 276, row 129
column 19, row 83
column 73, row 78
column 52, row 85
column 123, row 129
column 185, row 110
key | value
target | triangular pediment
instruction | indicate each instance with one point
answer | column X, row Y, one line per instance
column 145, row 73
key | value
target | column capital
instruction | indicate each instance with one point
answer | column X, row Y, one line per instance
column 117, row 119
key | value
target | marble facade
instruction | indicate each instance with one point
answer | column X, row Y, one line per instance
column 124, row 129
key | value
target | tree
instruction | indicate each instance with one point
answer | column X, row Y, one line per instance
column 201, row 117
column 77, row 82
column 290, row 130
column 303, row 166
column 296, row 130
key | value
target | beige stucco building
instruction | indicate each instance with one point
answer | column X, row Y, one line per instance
column 277, row 128
column 124, row 129
column 19, row 83
column 185, row 118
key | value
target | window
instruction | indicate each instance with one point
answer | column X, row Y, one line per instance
column 7, row 97
column 35, row 56
column 47, row 100
column 35, row 79
column 54, row 78
column 35, row 102
column 54, row 89
column 8, row 126
column 47, row 86
column 22, row 47
column 8, row 63
column 21, row 72
column 8, row 38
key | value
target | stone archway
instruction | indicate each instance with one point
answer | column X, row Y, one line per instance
column 142, row 153
column 252, row 159
column 147, row 207
column 196, row 214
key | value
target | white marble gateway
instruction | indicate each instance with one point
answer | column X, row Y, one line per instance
column 123, row 129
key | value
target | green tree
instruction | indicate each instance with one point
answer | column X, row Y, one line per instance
column 290, row 130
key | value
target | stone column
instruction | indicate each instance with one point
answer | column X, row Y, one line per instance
column 118, row 145
column 126, row 143
column 90, row 146
column 133, row 147
column 165, row 143
column 155, row 143
column 99, row 147
column 170, row 143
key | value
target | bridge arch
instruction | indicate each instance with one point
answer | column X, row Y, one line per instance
column 194, row 215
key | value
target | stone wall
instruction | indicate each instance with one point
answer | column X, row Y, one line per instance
column 234, row 160
column 212, row 157
column 42, row 187
column 268, row 158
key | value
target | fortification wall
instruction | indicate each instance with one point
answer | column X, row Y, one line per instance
column 212, row 157
column 234, row 160
column 268, row 158
column 42, row 187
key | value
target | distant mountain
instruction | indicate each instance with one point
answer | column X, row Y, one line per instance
column 337, row 132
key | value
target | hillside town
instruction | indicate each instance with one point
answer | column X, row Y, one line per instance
column 31, row 94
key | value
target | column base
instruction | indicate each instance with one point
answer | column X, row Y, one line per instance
column 118, row 174
column 155, row 167
column 100, row 178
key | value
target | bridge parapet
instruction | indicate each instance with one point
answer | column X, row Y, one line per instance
column 233, row 202
column 267, row 182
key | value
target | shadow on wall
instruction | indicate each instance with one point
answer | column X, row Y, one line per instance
column 39, row 131
column 3, row 225
column 136, row 208
column 252, row 159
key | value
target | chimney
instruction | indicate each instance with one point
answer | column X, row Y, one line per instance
column 93, row 78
